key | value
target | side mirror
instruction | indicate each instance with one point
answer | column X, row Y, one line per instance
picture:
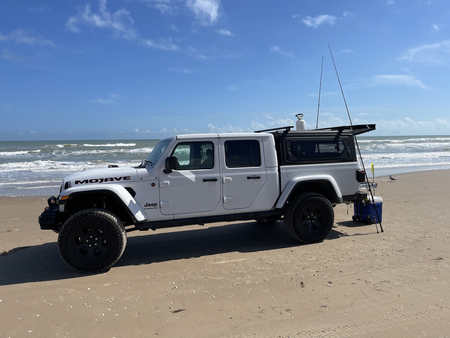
column 171, row 164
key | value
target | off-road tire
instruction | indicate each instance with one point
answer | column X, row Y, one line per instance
column 309, row 217
column 92, row 240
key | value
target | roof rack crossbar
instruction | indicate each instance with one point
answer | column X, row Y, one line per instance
column 357, row 128
column 287, row 128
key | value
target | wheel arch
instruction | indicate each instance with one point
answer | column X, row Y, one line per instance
column 116, row 199
column 324, row 185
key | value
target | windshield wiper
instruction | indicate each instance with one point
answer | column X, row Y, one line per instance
column 144, row 164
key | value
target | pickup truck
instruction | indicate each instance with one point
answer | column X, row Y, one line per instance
column 297, row 176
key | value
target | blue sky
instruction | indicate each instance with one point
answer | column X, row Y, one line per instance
column 114, row 69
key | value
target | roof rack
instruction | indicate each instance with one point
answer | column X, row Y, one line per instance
column 357, row 128
column 287, row 128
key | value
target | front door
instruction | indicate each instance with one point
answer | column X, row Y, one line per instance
column 193, row 188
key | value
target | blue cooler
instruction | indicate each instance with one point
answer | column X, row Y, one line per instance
column 368, row 211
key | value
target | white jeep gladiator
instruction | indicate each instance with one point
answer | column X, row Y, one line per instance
column 296, row 176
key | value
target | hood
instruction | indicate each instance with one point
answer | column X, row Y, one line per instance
column 100, row 176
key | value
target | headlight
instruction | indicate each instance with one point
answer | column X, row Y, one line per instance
column 67, row 185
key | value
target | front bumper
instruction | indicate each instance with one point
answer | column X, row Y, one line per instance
column 49, row 219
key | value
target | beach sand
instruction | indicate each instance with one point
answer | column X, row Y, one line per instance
column 241, row 279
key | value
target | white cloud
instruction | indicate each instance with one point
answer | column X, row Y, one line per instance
column 228, row 129
column 120, row 23
column 11, row 56
column 224, row 32
column 164, row 6
column 207, row 11
column 280, row 123
column 410, row 126
column 396, row 80
column 348, row 14
column 164, row 44
column 433, row 54
column 195, row 53
column 437, row 27
column 315, row 22
column 232, row 88
column 278, row 50
column 349, row 51
column 257, row 125
column 176, row 131
column 21, row 36
column 110, row 100
column 390, row 2
column 271, row 123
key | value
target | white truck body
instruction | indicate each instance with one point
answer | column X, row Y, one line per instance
column 203, row 178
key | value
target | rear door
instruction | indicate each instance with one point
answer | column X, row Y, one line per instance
column 243, row 171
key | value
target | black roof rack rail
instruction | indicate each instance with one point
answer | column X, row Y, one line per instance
column 287, row 128
column 357, row 128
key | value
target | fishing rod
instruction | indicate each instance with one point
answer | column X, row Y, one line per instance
column 356, row 141
column 320, row 89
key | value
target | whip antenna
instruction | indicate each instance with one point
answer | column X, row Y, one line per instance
column 320, row 89
column 356, row 141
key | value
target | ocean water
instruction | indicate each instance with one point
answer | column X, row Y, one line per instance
column 36, row 168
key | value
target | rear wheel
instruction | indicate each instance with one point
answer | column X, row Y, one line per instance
column 309, row 217
column 92, row 240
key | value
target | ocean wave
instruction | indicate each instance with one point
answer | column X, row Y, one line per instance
column 44, row 166
column 71, row 145
column 18, row 153
column 401, row 147
column 110, row 145
column 409, row 156
column 52, row 182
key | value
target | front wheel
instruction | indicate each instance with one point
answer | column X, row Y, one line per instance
column 309, row 217
column 92, row 240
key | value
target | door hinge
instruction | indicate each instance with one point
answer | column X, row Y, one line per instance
column 163, row 183
column 226, row 199
column 164, row 204
column 226, row 179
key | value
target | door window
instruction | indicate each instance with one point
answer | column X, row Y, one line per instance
column 242, row 153
column 194, row 155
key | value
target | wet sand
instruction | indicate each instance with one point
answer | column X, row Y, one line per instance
column 241, row 279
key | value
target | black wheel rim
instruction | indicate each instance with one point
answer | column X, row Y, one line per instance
column 91, row 242
column 311, row 219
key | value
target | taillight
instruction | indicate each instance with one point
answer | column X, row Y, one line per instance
column 360, row 176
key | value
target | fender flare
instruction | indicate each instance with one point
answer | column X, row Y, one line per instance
column 295, row 182
column 118, row 191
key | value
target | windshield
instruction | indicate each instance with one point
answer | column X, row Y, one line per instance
column 155, row 155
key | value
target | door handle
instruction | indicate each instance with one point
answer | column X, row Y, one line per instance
column 210, row 180
column 253, row 177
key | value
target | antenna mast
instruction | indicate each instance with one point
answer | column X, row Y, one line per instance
column 354, row 137
column 320, row 89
